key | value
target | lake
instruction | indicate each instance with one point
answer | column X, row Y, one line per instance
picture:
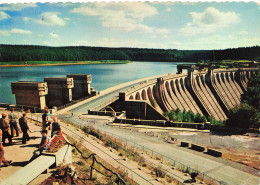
column 103, row 75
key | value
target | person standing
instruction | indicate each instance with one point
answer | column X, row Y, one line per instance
column 46, row 121
column 4, row 126
column 2, row 157
column 24, row 127
column 13, row 123
column 55, row 127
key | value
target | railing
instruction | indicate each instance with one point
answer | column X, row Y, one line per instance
column 162, row 123
column 74, row 102
column 178, row 165
column 102, row 105
column 147, row 83
column 36, row 118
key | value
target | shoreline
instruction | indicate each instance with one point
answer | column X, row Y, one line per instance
column 64, row 64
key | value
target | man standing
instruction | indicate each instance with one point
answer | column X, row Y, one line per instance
column 24, row 127
column 46, row 121
column 4, row 126
column 13, row 124
column 55, row 127
column 2, row 157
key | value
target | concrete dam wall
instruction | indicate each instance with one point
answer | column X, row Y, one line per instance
column 212, row 93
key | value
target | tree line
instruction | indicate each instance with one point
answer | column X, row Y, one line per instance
column 14, row 53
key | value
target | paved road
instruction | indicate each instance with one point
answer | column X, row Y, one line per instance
column 216, row 169
column 213, row 168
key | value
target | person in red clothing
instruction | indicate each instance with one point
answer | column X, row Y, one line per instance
column 2, row 157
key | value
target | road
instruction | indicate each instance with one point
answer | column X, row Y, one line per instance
column 214, row 168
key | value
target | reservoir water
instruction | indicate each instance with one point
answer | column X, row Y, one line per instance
column 103, row 75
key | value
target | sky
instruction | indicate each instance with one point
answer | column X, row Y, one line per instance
column 167, row 25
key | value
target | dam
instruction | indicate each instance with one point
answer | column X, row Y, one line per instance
column 211, row 93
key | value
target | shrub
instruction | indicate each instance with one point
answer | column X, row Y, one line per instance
column 244, row 116
column 177, row 115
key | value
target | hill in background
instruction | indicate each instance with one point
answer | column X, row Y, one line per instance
column 14, row 53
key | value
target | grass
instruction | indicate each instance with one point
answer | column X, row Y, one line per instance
column 25, row 63
column 114, row 143
column 100, row 174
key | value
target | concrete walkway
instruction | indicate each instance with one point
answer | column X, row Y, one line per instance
column 20, row 153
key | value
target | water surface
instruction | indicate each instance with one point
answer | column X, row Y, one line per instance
column 103, row 75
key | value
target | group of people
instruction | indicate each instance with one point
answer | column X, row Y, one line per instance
column 10, row 123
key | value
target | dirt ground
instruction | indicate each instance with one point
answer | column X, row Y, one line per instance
column 238, row 148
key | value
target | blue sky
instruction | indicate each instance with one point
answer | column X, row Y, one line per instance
column 176, row 25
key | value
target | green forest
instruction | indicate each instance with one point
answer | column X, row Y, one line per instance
column 16, row 53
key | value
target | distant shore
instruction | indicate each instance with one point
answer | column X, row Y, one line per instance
column 56, row 63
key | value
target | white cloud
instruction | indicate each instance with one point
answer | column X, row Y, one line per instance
column 51, row 19
column 246, row 42
column 19, row 31
column 4, row 33
column 209, row 21
column 46, row 43
column 14, row 31
column 216, row 42
column 4, row 15
column 16, row 6
column 48, row 19
column 105, row 42
column 53, row 35
column 26, row 19
column 126, row 16
column 168, row 9
column 243, row 33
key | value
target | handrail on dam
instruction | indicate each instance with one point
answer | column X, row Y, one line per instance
column 152, row 81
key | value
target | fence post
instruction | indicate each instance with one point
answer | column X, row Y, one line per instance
column 91, row 167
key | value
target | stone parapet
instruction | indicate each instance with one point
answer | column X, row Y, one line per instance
column 60, row 91
column 81, row 85
column 30, row 93
column 62, row 82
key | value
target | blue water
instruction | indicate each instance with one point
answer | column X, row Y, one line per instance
column 103, row 75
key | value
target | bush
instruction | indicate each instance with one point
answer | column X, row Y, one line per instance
column 245, row 116
column 177, row 115
column 252, row 95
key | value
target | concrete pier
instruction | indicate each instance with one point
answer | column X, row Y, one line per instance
column 60, row 91
column 30, row 93
column 81, row 85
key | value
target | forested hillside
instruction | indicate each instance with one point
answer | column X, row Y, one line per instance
column 14, row 53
